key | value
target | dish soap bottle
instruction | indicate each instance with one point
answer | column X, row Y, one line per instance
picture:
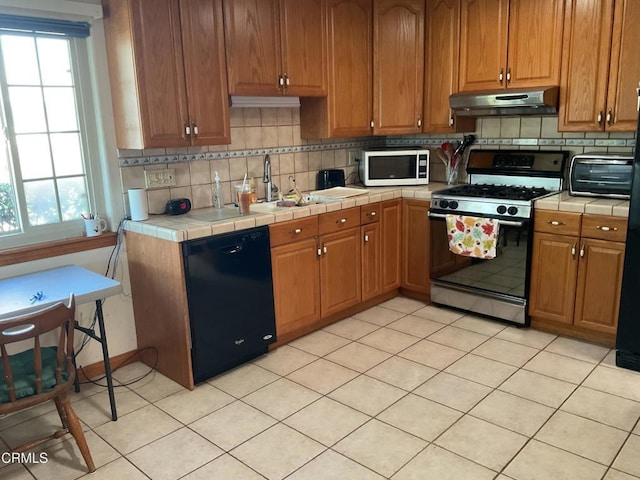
column 217, row 191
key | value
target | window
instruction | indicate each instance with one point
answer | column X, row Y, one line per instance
column 45, row 182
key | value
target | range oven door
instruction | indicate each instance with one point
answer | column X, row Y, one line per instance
column 497, row 287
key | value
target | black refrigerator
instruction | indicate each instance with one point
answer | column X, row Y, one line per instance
column 628, row 338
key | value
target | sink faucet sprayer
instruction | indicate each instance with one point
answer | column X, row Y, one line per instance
column 266, row 178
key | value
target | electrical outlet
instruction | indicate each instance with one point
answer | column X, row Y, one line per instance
column 165, row 177
column 353, row 157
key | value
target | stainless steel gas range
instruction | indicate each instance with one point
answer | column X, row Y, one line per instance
column 503, row 185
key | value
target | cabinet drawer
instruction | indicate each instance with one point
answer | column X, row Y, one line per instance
column 287, row 232
column 370, row 213
column 604, row 227
column 562, row 223
column 340, row 220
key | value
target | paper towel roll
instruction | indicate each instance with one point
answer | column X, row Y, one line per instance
column 138, row 204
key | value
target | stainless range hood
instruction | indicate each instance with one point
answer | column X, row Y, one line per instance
column 514, row 101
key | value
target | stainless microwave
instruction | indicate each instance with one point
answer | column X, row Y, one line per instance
column 385, row 166
column 601, row 175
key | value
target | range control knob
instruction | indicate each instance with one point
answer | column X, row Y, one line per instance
column 512, row 210
column 444, row 203
column 453, row 204
column 502, row 209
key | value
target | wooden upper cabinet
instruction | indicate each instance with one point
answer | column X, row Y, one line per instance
column 600, row 67
column 483, row 44
column 510, row 43
column 207, row 98
column 585, row 65
column 398, row 66
column 442, row 54
column 347, row 109
column 303, row 34
column 157, row 73
column 624, row 71
column 275, row 47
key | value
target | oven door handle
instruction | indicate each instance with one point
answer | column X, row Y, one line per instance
column 508, row 223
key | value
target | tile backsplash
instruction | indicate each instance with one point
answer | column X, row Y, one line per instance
column 256, row 132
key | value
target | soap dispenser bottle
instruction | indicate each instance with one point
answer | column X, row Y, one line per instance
column 217, row 191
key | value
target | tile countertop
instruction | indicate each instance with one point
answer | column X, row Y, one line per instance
column 597, row 206
column 177, row 228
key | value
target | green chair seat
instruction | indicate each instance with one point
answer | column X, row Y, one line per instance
column 24, row 376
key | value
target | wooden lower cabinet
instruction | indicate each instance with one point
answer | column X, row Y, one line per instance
column 599, row 285
column 340, row 271
column 415, row 247
column 391, row 244
column 370, row 262
column 576, row 280
column 296, row 285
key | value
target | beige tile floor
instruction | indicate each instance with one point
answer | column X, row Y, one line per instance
column 402, row 391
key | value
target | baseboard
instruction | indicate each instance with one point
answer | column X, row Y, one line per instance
column 94, row 370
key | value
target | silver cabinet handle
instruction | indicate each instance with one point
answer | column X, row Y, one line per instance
column 451, row 121
column 324, row 249
column 194, row 126
column 296, row 231
column 419, row 121
column 501, row 76
column 187, row 130
column 372, row 214
column 319, row 252
column 555, row 223
column 609, row 117
column 599, row 118
column 366, row 238
column 573, row 251
column 286, row 80
column 582, row 251
column 509, row 76
column 342, row 221
column 604, row 228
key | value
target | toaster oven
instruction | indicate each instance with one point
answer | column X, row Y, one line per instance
column 601, row 175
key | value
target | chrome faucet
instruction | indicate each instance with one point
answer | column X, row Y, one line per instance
column 266, row 178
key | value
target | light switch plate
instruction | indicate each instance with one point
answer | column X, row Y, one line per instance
column 165, row 177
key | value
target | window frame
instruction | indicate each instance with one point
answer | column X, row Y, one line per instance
column 87, row 123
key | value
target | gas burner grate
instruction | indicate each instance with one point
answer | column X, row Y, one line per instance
column 506, row 192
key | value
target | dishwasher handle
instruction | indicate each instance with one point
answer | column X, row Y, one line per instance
column 508, row 223
column 233, row 249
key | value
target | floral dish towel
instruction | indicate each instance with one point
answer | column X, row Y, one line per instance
column 472, row 236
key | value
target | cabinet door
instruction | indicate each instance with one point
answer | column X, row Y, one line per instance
column 535, row 42
column 252, row 35
column 371, row 269
column 585, row 65
column 554, row 270
column 624, row 73
column 160, row 73
column 303, row 37
column 442, row 54
column 415, row 246
column 390, row 222
column 398, row 66
column 599, row 285
column 204, row 64
column 483, row 44
column 296, row 285
column 340, row 271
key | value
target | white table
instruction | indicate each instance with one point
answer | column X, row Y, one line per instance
column 16, row 298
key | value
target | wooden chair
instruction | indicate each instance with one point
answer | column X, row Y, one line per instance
column 40, row 374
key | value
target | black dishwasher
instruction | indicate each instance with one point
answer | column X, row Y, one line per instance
column 230, row 298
